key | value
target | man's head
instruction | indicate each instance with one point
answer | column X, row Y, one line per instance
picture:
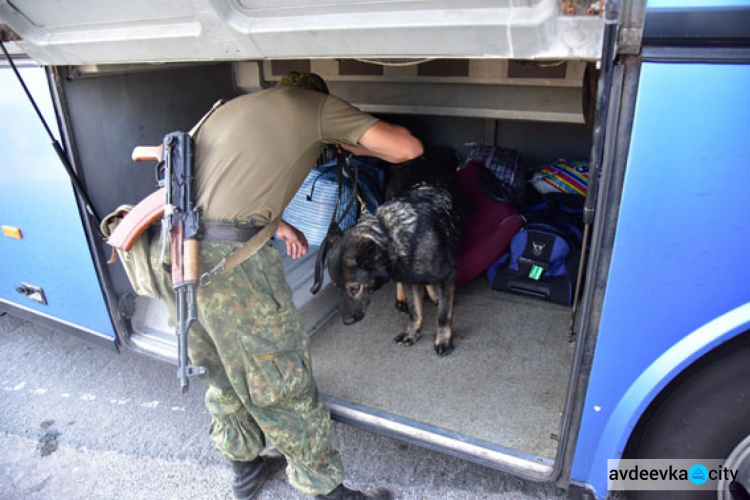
column 309, row 81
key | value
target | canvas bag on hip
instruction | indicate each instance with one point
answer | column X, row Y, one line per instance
column 136, row 260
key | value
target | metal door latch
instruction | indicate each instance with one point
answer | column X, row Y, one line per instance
column 32, row 292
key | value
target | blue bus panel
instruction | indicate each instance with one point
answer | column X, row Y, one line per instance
column 37, row 203
column 679, row 281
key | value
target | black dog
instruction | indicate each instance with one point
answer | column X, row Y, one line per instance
column 412, row 238
column 437, row 166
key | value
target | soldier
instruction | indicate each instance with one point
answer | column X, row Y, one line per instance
column 252, row 155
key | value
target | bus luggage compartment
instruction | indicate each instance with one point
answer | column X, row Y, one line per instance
column 498, row 399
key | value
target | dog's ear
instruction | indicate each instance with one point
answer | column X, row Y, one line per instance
column 374, row 260
column 370, row 256
column 334, row 231
column 332, row 238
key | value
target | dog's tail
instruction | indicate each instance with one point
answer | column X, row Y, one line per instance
column 333, row 231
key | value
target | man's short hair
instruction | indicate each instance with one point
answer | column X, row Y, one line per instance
column 309, row 81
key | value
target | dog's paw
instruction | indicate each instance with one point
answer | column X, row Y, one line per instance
column 402, row 306
column 443, row 350
column 405, row 340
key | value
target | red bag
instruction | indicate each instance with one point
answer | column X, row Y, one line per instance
column 488, row 228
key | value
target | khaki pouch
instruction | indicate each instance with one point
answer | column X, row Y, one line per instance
column 136, row 260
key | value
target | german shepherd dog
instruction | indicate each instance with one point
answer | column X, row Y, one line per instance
column 412, row 238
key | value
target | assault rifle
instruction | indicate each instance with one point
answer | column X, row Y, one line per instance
column 182, row 221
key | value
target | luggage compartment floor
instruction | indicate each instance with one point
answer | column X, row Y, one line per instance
column 505, row 382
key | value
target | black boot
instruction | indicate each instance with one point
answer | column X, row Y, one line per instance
column 344, row 493
column 249, row 477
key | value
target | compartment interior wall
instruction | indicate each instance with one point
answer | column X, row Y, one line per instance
column 540, row 143
column 112, row 113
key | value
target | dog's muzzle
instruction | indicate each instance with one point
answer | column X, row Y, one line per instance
column 350, row 319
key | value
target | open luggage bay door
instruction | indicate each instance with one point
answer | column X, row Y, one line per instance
column 85, row 32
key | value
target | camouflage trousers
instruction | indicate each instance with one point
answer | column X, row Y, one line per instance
column 259, row 374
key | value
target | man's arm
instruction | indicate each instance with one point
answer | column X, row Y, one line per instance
column 392, row 143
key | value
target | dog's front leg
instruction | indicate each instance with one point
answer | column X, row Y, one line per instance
column 412, row 333
column 444, row 337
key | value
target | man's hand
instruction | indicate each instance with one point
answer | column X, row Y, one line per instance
column 296, row 243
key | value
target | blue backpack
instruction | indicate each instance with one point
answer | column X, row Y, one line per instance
column 543, row 257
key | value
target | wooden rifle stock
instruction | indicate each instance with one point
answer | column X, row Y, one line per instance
column 148, row 153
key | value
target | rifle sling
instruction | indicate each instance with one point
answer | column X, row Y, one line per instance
column 253, row 244
column 241, row 254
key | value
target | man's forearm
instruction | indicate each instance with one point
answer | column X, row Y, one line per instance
column 359, row 150
column 392, row 143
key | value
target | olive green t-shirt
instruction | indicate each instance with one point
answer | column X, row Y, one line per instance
column 254, row 152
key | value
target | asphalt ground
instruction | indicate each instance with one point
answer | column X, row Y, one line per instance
column 82, row 422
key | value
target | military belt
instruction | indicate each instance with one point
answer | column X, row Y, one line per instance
column 228, row 231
